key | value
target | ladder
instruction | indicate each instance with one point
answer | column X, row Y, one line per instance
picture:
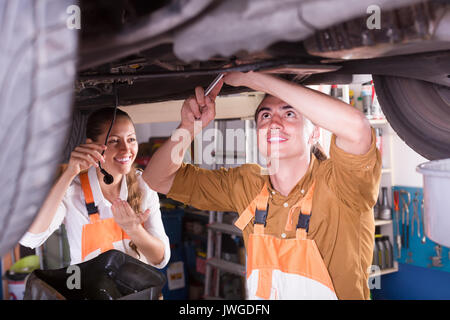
column 215, row 265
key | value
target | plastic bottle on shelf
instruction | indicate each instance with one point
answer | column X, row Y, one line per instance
column 366, row 95
column 358, row 104
column 375, row 260
column 351, row 95
column 386, row 253
column 381, row 251
column 334, row 90
column 376, row 209
column 385, row 210
column 376, row 108
column 389, row 252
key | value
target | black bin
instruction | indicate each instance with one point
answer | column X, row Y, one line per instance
column 113, row 275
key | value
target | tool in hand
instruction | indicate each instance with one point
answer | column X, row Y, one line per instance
column 415, row 217
column 407, row 228
column 405, row 224
column 210, row 87
column 424, row 239
column 214, row 83
column 397, row 221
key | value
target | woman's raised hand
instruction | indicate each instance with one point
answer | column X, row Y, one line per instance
column 125, row 216
column 84, row 156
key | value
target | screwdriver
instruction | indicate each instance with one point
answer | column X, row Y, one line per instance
column 212, row 86
column 397, row 218
column 214, row 83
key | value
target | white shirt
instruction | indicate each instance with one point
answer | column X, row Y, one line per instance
column 73, row 213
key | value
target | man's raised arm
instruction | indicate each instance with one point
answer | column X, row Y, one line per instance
column 352, row 129
column 164, row 164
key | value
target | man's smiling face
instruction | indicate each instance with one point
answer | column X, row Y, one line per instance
column 280, row 130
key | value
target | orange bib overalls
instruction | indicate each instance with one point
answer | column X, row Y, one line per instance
column 284, row 268
column 99, row 234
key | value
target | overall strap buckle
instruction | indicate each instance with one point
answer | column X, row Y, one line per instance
column 261, row 216
column 259, row 202
column 303, row 221
column 91, row 208
column 88, row 196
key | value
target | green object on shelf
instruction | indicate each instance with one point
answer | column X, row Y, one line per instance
column 26, row 265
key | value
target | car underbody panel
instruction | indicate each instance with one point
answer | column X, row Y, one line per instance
column 162, row 50
column 415, row 28
column 202, row 29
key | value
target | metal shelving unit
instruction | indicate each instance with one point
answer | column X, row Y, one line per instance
column 215, row 265
column 386, row 227
column 231, row 267
column 225, row 228
column 379, row 222
column 384, row 272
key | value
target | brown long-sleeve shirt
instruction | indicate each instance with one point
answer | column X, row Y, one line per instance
column 342, row 222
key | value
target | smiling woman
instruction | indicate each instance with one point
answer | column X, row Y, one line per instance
column 122, row 215
column 121, row 142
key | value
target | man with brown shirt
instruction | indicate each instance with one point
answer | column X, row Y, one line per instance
column 343, row 189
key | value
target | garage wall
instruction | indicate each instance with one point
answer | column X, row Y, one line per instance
column 150, row 130
column 144, row 131
column 405, row 162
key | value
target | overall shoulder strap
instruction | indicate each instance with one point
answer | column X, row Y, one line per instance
column 88, row 196
column 258, row 203
column 305, row 205
column 305, row 214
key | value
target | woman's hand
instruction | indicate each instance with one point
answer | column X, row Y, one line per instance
column 125, row 216
column 130, row 222
column 84, row 156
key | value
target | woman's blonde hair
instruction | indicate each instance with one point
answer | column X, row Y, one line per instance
column 134, row 196
column 98, row 123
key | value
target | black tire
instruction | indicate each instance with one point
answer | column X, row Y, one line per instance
column 419, row 112
column 77, row 133
column 37, row 69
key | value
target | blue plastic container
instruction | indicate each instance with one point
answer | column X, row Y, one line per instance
column 173, row 225
column 180, row 293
